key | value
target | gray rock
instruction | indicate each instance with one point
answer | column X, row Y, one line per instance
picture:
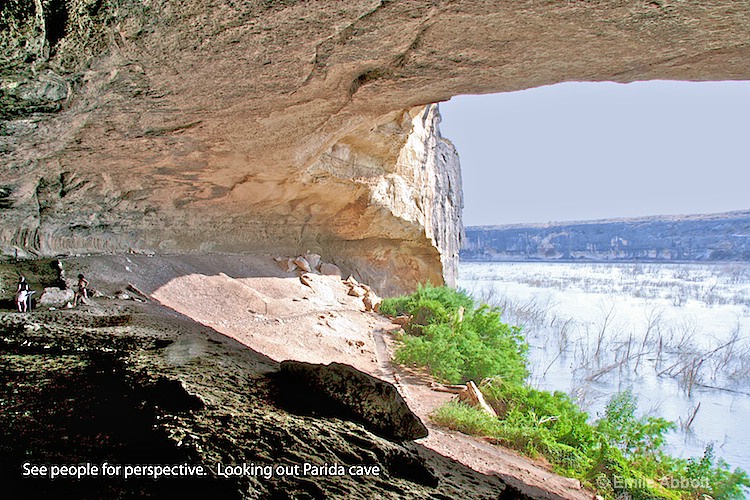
column 53, row 296
column 343, row 391
column 330, row 269
column 49, row 87
column 313, row 259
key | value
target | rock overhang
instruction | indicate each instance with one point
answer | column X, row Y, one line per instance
column 285, row 127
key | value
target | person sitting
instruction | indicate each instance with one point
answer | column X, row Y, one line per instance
column 22, row 295
column 82, row 291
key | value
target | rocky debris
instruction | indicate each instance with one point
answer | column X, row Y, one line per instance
column 302, row 263
column 308, row 263
column 372, row 301
column 473, row 396
column 286, row 264
column 53, row 296
column 313, row 259
column 341, row 390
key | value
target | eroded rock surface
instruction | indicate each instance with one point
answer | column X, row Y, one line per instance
column 340, row 389
column 168, row 126
column 136, row 385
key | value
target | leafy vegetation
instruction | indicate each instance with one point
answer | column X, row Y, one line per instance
column 456, row 340
column 620, row 453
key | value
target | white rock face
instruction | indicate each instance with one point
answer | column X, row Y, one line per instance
column 406, row 217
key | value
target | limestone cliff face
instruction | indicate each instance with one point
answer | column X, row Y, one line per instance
column 222, row 126
column 407, row 214
column 384, row 202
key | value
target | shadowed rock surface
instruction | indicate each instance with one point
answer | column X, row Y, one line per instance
column 139, row 385
column 175, row 127
column 340, row 390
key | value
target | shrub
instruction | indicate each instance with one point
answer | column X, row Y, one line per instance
column 455, row 340
column 567, row 423
column 634, row 436
column 426, row 312
column 618, row 454
column 450, row 299
column 436, row 350
column 716, row 477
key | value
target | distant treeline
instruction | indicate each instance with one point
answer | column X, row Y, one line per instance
column 693, row 238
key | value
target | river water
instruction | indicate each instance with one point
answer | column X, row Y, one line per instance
column 678, row 335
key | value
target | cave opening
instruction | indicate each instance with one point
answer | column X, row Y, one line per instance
column 604, row 204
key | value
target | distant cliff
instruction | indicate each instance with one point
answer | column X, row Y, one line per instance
column 715, row 237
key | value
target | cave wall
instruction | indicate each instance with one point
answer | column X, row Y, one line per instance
column 282, row 126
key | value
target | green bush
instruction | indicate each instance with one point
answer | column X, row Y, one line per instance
column 618, row 454
column 715, row 476
column 567, row 423
column 451, row 300
column 634, row 436
column 436, row 350
column 455, row 340
column 426, row 312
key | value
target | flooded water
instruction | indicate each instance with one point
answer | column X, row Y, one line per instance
column 677, row 334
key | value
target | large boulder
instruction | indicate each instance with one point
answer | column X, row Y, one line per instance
column 343, row 391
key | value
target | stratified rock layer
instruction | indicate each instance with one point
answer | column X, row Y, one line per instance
column 168, row 126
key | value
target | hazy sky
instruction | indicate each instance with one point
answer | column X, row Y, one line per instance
column 580, row 151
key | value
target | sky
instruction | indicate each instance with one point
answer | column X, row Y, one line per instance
column 582, row 151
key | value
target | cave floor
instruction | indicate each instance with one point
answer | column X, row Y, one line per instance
column 183, row 378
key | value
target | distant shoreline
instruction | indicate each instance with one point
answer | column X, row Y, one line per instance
column 603, row 261
column 711, row 238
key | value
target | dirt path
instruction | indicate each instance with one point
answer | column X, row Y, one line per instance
column 276, row 315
